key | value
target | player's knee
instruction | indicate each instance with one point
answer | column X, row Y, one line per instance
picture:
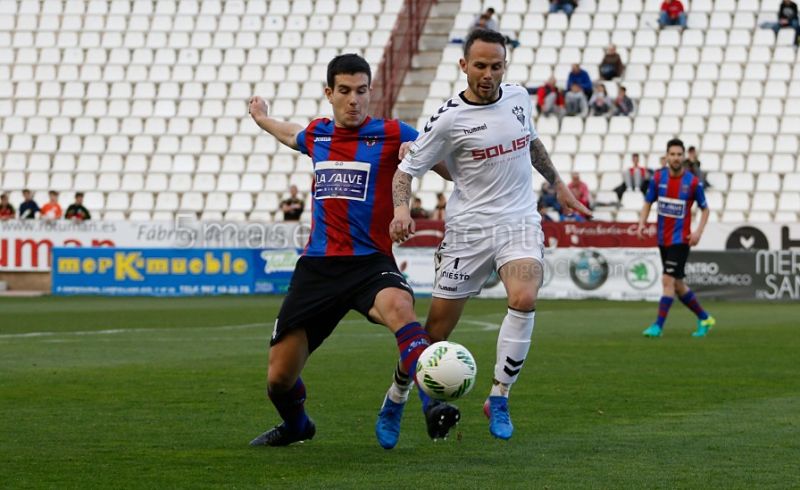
column 397, row 307
column 522, row 301
column 280, row 381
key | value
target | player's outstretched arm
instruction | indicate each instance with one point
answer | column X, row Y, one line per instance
column 643, row 220
column 402, row 226
column 540, row 160
column 284, row 131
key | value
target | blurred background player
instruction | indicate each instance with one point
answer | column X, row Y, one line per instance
column 485, row 135
column 348, row 262
column 676, row 190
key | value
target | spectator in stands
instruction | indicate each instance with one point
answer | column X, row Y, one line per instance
column 672, row 14
column 787, row 17
column 581, row 77
column 550, row 99
column 692, row 163
column 580, row 190
column 575, row 101
column 28, row 208
column 52, row 210
column 566, row 6
column 6, row 209
column 600, row 104
column 546, row 218
column 292, row 206
column 548, row 198
column 623, row 105
column 441, row 205
column 633, row 178
column 417, row 211
column 486, row 21
column 77, row 211
column 611, row 66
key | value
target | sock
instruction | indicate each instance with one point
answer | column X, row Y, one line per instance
column 690, row 300
column 663, row 310
column 411, row 340
column 290, row 406
column 513, row 343
column 401, row 385
column 499, row 389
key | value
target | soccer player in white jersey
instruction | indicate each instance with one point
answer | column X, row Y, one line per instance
column 487, row 140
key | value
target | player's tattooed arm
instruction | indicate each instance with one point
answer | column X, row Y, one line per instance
column 402, row 226
column 540, row 160
column 542, row 163
column 401, row 188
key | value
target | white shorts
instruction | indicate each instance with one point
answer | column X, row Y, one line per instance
column 464, row 263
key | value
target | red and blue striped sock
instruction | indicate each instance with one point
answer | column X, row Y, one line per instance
column 291, row 406
column 690, row 300
column 663, row 310
column 411, row 340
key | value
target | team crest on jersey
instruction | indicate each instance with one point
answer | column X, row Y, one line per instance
column 520, row 113
column 371, row 141
column 685, row 189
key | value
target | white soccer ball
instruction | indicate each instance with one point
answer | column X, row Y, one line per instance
column 446, row 371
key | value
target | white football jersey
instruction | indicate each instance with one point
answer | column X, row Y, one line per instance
column 486, row 148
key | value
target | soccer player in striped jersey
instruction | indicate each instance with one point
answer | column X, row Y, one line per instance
column 488, row 141
column 675, row 190
column 348, row 262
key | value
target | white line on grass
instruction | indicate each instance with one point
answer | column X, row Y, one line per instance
column 52, row 337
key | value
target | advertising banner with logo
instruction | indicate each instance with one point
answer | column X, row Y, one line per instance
column 273, row 270
column 760, row 236
column 608, row 273
column 417, row 266
column 626, row 274
column 26, row 245
column 152, row 272
column 764, row 274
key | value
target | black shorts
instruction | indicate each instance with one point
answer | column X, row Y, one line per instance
column 673, row 259
column 324, row 289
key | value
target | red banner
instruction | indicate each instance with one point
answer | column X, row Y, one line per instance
column 598, row 234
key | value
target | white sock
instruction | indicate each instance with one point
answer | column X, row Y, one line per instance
column 401, row 386
column 499, row 389
column 513, row 343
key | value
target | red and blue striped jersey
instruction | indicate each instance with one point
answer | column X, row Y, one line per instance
column 352, row 191
column 675, row 196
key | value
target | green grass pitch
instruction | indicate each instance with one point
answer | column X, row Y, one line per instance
column 166, row 393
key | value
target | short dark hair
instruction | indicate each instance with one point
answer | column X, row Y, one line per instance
column 490, row 10
column 26, row 190
column 675, row 142
column 79, row 194
column 52, row 193
column 485, row 35
column 692, row 148
column 347, row 64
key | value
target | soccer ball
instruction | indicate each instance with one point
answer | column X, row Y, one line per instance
column 446, row 371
